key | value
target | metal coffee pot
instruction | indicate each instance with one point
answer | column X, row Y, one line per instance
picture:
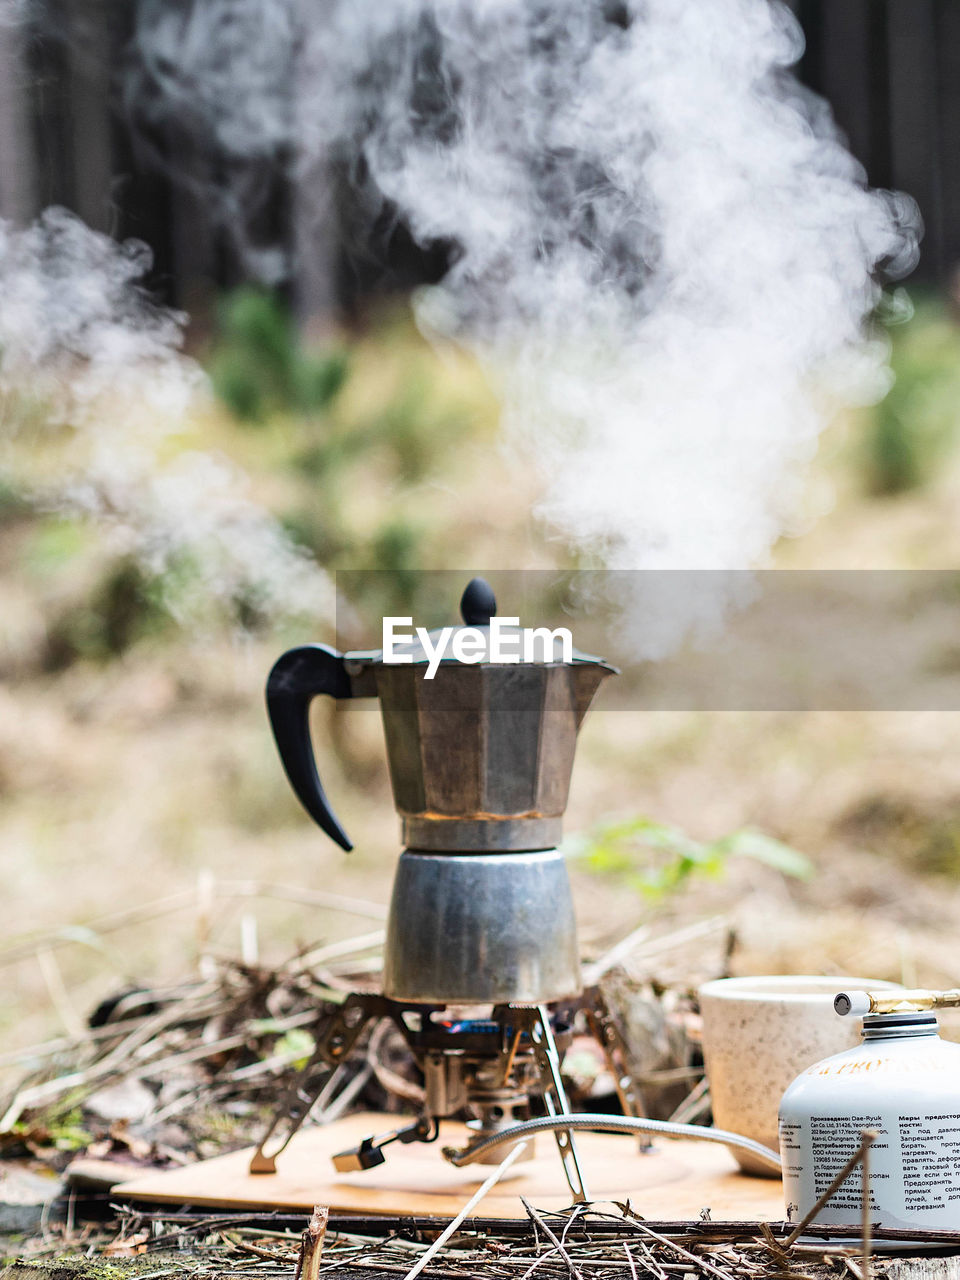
column 480, row 758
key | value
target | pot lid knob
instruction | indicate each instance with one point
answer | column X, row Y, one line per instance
column 478, row 604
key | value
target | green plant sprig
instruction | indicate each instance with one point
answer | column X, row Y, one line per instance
column 656, row 858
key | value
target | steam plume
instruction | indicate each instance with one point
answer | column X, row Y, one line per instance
column 661, row 248
column 92, row 386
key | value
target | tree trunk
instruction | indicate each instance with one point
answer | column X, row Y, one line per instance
column 17, row 178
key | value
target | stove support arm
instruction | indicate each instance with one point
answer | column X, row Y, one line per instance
column 333, row 1047
column 555, row 1101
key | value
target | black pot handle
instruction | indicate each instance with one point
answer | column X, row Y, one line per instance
column 295, row 680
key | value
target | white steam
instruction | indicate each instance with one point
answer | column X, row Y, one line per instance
column 662, row 249
column 93, row 386
column 14, row 12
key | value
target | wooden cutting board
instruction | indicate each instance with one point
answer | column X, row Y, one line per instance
column 675, row 1180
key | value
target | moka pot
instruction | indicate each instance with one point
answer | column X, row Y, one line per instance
column 480, row 758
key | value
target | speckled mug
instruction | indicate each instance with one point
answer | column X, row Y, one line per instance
column 758, row 1035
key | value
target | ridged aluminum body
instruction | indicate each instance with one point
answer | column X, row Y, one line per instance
column 481, row 929
column 480, row 756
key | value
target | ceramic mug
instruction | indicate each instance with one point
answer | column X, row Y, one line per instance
column 758, row 1035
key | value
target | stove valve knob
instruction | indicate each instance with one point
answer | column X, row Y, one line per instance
column 370, row 1151
column 366, row 1156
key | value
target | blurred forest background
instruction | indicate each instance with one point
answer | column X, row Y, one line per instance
column 144, row 817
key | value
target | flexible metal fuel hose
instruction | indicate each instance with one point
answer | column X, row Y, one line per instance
column 613, row 1124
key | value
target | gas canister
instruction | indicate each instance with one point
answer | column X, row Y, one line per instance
column 903, row 1082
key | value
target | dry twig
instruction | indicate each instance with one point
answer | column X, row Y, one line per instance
column 467, row 1209
column 867, row 1137
column 557, row 1244
column 719, row 1272
column 311, row 1245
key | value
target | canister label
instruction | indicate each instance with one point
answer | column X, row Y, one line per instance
column 914, row 1168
